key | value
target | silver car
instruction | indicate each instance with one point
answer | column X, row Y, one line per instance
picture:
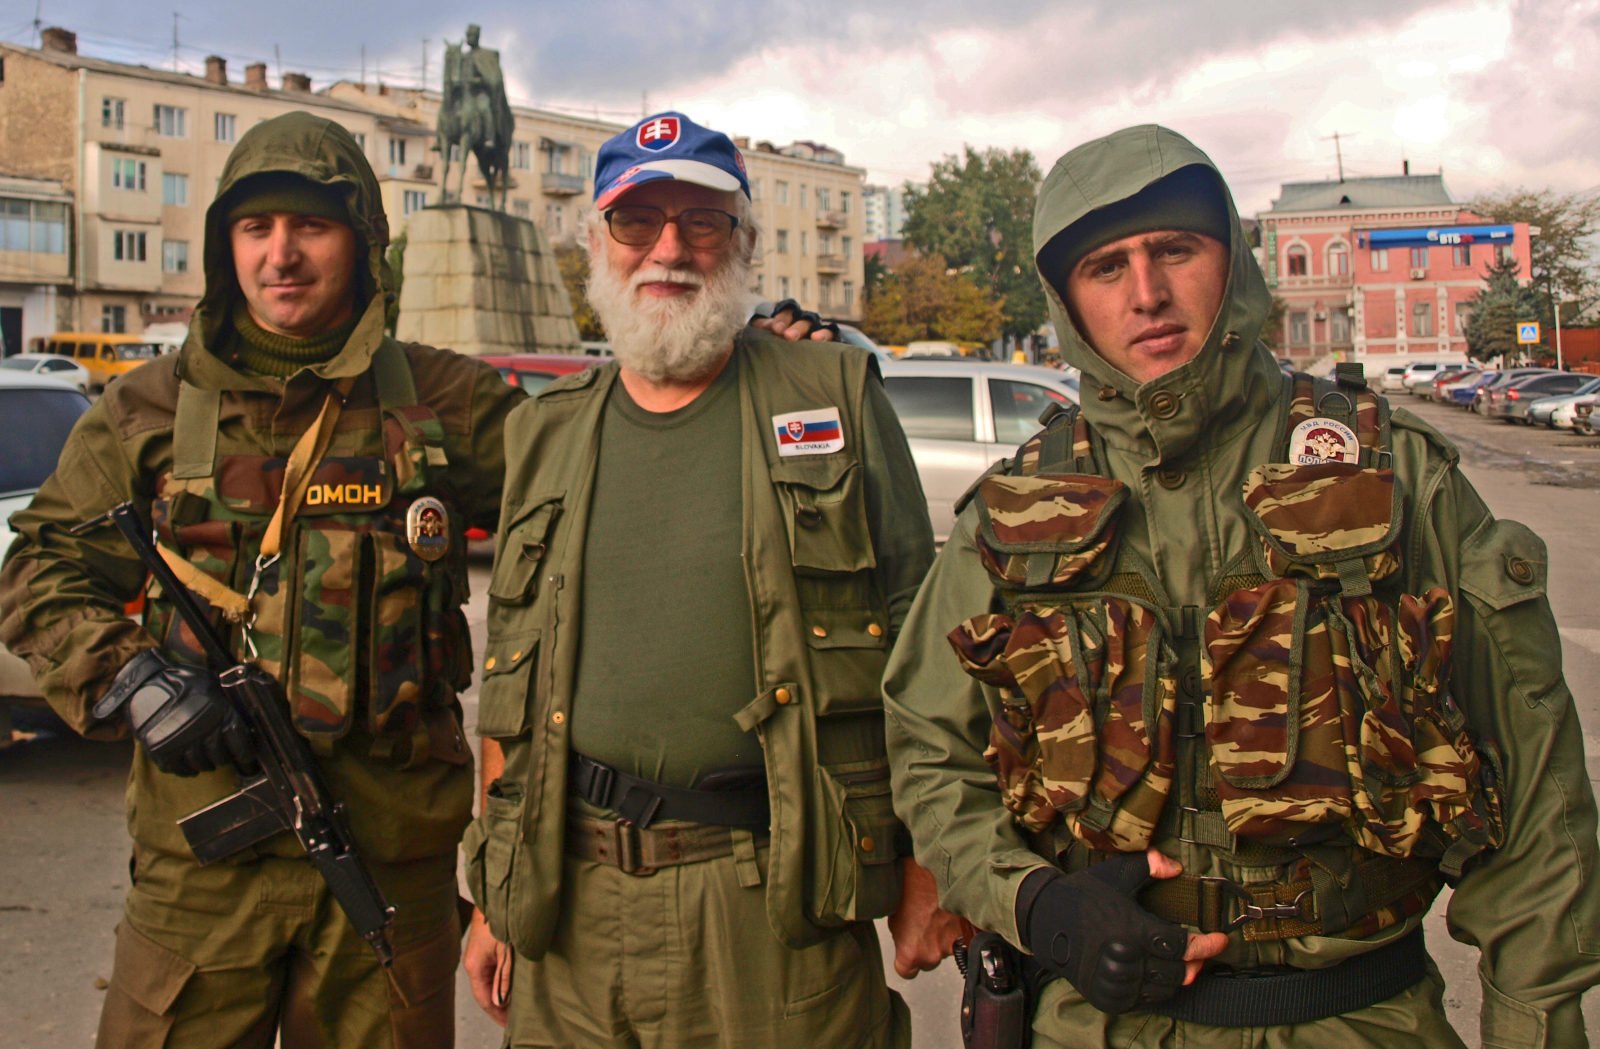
column 962, row 414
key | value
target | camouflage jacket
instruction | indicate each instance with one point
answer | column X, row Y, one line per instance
column 1185, row 446
column 834, row 547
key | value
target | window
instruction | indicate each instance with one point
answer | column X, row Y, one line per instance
column 935, row 406
column 555, row 217
column 1016, row 407
column 174, row 256
column 113, row 319
column 805, row 248
column 1339, row 261
column 128, row 246
column 783, row 240
column 1419, row 258
column 783, row 287
column 825, row 294
column 845, row 244
column 111, row 112
column 802, row 196
column 824, row 243
column 1421, row 314
column 522, row 209
column 127, row 173
column 1338, row 325
column 522, row 156
column 1380, row 260
column 172, row 121
column 823, row 197
column 1463, row 316
column 1297, row 261
column 397, row 155
column 413, row 200
column 805, row 289
column 844, row 202
column 174, row 189
column 1299, row 328
column 34, row 226
column 361, row 139
column 586, row 165
column 783, row 192
column 1506, row 253
column 555, row 159
column 225, row 127
column 849, row 302
column 1461, row 256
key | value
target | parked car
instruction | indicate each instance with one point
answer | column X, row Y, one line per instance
column 1584, row 417
column 51, row 365
column 106, row 356
column 1461, row 392
column 1489, row 392
column 1419, row 375
column 1565, row 415
column 1393, row 380
column 534, row 371
column 1443, row 379
column 1512, row 405
column 1540, row 412
column 960, row 415
column 39, row 412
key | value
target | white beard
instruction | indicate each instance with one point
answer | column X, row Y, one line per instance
column 680, row 338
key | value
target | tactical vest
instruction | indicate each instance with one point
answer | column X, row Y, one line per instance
column 1321, row 706
column 350, row 619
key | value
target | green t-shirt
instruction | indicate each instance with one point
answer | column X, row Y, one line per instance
column 666, row 649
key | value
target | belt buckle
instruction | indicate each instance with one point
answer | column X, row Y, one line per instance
column 630, row 850
column 1249, row 909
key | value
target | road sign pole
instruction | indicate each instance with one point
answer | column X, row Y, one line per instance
column 1558, row 333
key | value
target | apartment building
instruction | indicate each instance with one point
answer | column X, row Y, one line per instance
column 1380, row 268
column 106, row 170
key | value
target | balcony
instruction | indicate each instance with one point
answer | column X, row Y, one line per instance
column 556, row 184
column 832, row 219
column 831, row 264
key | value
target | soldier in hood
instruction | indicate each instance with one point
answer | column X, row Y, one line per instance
column 1227, row 672
column 355, row 609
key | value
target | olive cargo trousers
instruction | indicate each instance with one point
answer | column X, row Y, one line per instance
column 234, row 954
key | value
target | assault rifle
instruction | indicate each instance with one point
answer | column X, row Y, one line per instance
column 288, row 794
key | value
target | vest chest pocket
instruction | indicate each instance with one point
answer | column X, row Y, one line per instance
column 394, row 637
column 826, row 514
column 1083, row 731
column 854, row 877
column 321, row 680
column 516, row 566
column 507, row 691
column 1046, row 531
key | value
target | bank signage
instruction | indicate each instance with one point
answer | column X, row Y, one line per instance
column 1435, row 236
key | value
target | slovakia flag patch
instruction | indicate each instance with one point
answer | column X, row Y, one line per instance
column 659, row 134
column 814, row 432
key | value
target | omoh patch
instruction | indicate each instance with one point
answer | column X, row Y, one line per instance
column 1321, row 440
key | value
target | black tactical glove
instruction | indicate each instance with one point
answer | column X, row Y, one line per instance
column 1087, row 928
column 186, row 724
column 814, row 320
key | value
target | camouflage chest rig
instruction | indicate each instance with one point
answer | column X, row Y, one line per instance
column 1324, row 742
column 361, row 611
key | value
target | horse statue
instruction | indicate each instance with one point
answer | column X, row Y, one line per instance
column 475, row 118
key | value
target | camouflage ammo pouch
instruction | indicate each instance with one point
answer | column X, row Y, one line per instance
column 1329, row 704
column 350, row 606
column 1087, row 682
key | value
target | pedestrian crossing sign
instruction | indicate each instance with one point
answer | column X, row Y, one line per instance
column 1527, row 333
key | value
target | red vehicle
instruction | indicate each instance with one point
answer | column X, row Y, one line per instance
column 534, row 371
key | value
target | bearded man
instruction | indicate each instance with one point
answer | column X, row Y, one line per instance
column 706, row 549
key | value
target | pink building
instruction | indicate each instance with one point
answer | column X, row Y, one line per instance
column 1379, row 267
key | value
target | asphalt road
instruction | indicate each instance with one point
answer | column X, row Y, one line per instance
column 63, row 847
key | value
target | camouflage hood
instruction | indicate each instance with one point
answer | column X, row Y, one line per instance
column 323, row 152
column 1231, row 380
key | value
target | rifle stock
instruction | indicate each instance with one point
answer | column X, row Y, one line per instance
column 289, row 793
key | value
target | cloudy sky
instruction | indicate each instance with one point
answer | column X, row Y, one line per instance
column 1493, row 92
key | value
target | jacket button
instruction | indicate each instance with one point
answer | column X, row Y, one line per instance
column 1230, row 340
column 488, row 664
column 783, row 696
column 867, row 844
column 1519, row 570
column 558, row 718
column 808, row 516
column 516, row 655
column 874, row 630
column 1107, row 393
column 1171, row 477
column 819, row 631
column 1164, row 405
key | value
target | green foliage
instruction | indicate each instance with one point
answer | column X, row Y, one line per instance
column 1563, row 263
column 1491, row 328
column 872, row 278
column 573, row 262
column 977, row 213
column 396, row 257
column 925, row 299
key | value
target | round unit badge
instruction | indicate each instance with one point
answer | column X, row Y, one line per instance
column 428, row 528
column 1322, row 440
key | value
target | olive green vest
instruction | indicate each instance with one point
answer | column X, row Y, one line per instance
column 821, row 631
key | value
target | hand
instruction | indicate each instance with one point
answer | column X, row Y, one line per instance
column 1087, row 928
column 923, row 934
column 488, row 965
column 789, row 321
column 186, row 724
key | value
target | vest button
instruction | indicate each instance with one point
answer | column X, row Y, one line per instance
column 558, row 718
column 488, row 664
column 1171, row 477
column 1519, row 570
column 1164, row 405
column 1230, row 340
column 516, row 655
column 867, row 844
column 819, row 631
column 808, row 516
column 874, row 630
column 783, row 696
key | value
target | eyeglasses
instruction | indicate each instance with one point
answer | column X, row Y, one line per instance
column 638, row 225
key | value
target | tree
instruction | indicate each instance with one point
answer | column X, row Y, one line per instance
column 925, row 299
column 977, row 213
column 1491, row 328
column 573, row 262
column 396, row 257
column 872, row 277
column 1563, row 266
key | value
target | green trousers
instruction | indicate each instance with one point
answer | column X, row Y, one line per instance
column 684, row 959
column 1412, row 1019
column 241, row 954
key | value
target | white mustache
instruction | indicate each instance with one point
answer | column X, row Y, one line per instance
column 665, row 275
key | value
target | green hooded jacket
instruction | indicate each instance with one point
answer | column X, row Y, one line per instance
column 1183, row 443
column 64, row 595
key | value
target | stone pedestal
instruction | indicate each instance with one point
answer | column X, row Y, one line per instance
column 479, row 281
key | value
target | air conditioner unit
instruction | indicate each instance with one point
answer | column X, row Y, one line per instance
column 1418, row 274
column 1322, row 315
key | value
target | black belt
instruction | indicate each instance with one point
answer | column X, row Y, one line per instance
column 642, row 801
column 1270, row 997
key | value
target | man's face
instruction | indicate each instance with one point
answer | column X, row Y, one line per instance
column 1147, row 302
column 670, row 251
column 297, row 272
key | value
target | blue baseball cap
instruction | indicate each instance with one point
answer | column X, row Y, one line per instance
column 668, row 146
